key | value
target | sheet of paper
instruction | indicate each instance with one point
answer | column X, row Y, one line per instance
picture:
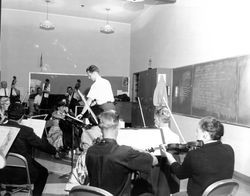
column 145, row 138
column 7, row 137
column 37, row 125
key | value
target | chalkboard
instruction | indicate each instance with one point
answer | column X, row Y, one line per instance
column 218, row 88
column 60, row 82
column 182, row 90
column 215, row 89
column 244, row 90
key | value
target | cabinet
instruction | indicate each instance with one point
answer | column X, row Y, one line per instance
column 144, row 84
column 124, row 111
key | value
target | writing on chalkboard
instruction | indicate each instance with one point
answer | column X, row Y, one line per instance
column 218, row 88
column 215, row 90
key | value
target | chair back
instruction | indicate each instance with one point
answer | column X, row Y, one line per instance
column 227, row 187
column 17, row 160
column 85, row 190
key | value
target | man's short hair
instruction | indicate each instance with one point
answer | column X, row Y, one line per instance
column 16, row 111
column 213, row 126
column 3, row 84
column 92, row 68
column 109, row 120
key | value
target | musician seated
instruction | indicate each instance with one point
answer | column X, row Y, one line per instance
column 109, row 165
column 67, row 127
column 4, row 105
column 80, row 172
column 162, row 119
column 212, row 162
column 37, row 101
column 55, row 134
column 25, row 140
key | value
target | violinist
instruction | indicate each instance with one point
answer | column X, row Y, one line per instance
column 162, row 119
column 203, row 166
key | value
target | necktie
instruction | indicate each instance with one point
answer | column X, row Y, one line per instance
column 5, row 93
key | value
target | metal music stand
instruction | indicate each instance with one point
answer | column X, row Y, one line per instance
column 75, row 123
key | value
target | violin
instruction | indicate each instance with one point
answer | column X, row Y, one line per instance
column 177, row 148
column 184, row 148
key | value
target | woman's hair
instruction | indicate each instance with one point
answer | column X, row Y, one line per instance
column 213, row 126
column 163, row 114
column 109, row 120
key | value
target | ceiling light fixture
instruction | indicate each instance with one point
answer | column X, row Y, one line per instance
column 107, row 29
column 47, row 24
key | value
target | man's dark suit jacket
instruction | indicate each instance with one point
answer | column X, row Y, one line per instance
column 203, row 166
column 25, row 140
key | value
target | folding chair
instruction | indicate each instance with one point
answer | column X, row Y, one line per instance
column 227, row 187
column 85, row 190
column 18, row 161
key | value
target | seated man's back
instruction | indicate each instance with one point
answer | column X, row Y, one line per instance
column 110, row 165
column 25, row 140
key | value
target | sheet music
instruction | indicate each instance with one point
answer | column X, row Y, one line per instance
column 7, row 137
column 143, row 139
column 37, row 125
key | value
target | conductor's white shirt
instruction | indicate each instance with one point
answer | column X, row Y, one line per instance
column 101, row 91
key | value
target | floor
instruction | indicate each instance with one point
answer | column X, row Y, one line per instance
column 244, row 188
column 58, row 170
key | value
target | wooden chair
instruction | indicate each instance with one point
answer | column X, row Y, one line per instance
column 18, row 161
column 227, row 187
column 85, row 190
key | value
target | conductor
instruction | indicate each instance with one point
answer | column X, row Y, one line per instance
column 100, row 96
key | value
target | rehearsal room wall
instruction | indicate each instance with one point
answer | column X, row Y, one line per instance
column 190, row 32
column 74, row 44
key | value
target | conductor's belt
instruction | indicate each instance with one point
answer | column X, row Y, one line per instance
column 106, row 103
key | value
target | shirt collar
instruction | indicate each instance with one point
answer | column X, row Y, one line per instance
column 213, row 143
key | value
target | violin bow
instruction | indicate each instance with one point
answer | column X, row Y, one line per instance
column 178, row 129
column 25, row 96
column 143, row 120
column 87, row 105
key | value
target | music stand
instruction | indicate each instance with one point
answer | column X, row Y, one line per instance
column 75, row 123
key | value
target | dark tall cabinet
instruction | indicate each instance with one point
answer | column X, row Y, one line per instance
column 144, row 84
